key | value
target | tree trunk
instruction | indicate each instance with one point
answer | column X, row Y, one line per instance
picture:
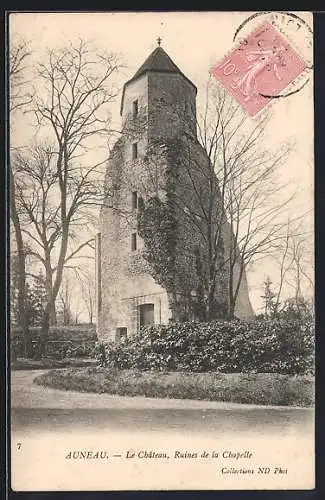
column 49, row 287
column 44, row 331
column 231, row 309
column 55, row 290
column 211, row 301
column 209, row 307
column 22, row 316
column 53, row 318
column 50, row 305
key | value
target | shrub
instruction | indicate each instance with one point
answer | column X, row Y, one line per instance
column 100, row 354
column 262, row 345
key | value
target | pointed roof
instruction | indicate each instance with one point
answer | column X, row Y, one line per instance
column 159, row 62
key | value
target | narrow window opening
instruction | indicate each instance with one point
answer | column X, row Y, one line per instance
column 134, row 242
column 134, row 200
column 135, row 108
column 140, row 203
column 134, row 150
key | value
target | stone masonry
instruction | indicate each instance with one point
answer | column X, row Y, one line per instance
column 158, row 143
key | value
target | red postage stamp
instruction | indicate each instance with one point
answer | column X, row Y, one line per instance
column 259, row 68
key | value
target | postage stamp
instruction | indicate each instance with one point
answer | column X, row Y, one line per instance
column 259, row 68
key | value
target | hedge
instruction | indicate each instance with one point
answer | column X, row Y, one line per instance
column 63, row 341
column 82, row 332
column 261, row 345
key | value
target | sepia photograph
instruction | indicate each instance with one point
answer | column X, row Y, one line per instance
column 161, row 169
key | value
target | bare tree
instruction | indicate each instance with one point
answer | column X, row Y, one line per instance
column 35, row 179
column 36, row 186
column 295, row 264
column 20, row 97
column 253, row 201
column 20, row 86
column 284, row 267
column 302, row 272
column 59, row 184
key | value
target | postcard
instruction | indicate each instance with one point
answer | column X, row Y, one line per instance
column 162, row 277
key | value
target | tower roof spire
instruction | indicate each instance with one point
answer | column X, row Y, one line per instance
column 158, row 62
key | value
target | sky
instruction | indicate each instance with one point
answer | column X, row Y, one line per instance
column 195, row 42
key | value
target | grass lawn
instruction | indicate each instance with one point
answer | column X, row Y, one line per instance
column 257, row 388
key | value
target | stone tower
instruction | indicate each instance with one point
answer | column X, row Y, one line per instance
column 157, row 174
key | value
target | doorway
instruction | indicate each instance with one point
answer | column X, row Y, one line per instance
column 121, row 333
column 146, row 314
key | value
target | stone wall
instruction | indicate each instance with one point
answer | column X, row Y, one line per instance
column 171, row 106
column 125, row 277
column 170, row 161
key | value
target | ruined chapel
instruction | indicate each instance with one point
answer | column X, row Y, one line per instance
column 152, row 256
